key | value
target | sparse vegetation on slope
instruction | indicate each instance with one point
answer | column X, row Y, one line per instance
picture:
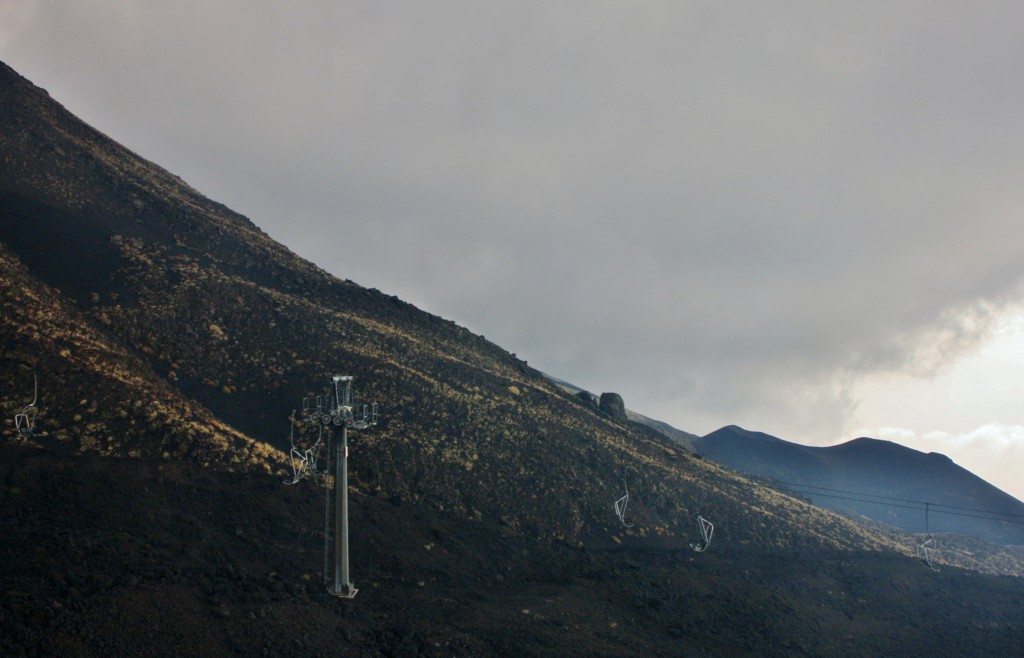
column 219, row 316
column 170, row 331
column 94, row 394
column 136, row 557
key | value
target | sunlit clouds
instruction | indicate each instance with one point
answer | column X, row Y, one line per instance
column 995, row 450
column 971, row 410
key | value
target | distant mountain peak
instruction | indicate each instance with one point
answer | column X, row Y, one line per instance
column 868, row 443
column 733, row 431
column 876, row 478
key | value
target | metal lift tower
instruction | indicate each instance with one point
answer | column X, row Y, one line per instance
column 343, row 586
column 337, row 409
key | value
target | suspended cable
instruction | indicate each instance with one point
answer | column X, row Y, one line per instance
column 863, row 497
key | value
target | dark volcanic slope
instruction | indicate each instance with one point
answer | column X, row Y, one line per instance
column 168, row 334
column 125, row 557
column 896, row 478
column 95, row 394
column 195, row 300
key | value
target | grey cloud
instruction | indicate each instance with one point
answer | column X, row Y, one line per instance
column 724, row 213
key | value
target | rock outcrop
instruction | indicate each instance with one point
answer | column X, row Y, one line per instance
column 588, row 399
column 612, row 404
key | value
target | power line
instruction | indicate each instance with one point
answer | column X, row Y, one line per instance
column 902, row 500
column 913, row 507
column 864, row 497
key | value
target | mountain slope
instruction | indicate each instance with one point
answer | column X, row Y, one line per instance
column 877, row 479
column 130, row 557
column 236, row 324
column 93, row 393
column 172, row 339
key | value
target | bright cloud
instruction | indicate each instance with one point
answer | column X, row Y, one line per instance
column 994, row 450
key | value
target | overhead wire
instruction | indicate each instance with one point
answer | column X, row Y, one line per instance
column 871, row 495
column 888, row 501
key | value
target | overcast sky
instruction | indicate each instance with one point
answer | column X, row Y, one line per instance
column 799, row 217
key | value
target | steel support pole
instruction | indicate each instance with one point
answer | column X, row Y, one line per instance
column 343, row 586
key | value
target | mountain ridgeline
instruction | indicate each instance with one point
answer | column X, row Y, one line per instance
column 879, row 480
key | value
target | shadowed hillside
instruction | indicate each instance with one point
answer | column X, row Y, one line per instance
column 106, row 557
column 881, row 480
column 171, row 340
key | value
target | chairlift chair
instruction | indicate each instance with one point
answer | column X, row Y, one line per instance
column 297, row 468
column 304, row 462
column 25, row 422
column 620, row 507
column 707, row 529
column 924, row 550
